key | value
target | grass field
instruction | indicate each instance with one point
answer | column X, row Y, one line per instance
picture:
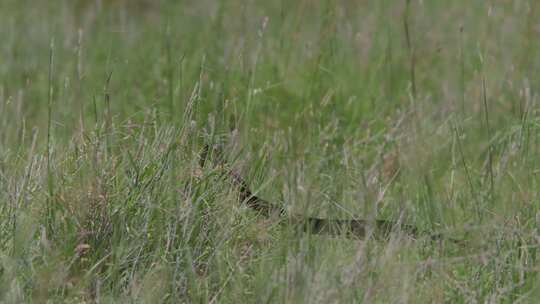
column 424, row 112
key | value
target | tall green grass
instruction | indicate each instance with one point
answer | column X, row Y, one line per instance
column 421, row 111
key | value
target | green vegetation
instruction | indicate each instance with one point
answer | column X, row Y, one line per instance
column 423, row 111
